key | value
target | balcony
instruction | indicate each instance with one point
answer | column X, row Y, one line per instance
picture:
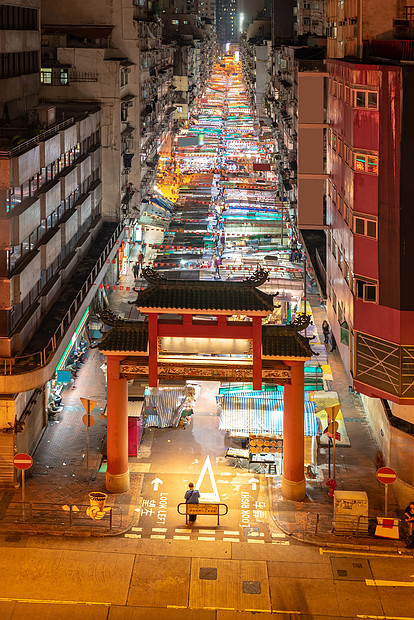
column 38, row 361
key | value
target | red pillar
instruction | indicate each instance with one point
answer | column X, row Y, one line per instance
column 117, row 474
column 153, row 350
column 257, row 352
column 293, row 479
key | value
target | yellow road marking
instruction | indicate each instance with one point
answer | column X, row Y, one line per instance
column 382, row 582
column 385, row 617
column 370, row 553
column 51, row 601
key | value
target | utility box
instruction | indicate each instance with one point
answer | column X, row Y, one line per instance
column 350, row 512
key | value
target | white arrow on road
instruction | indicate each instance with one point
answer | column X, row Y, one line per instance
column 156, row 482
column 253, row 482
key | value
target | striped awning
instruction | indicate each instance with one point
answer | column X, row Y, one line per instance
column 163, row 406
column 260, row 414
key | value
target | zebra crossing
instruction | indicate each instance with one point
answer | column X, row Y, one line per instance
column 206, row 535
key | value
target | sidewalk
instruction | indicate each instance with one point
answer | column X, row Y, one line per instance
column 355, row 470
column 58, row 476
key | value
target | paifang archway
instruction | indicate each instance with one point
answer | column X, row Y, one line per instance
column 195, row 312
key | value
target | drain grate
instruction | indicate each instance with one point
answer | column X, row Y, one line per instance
column 251, row 587
column 12, row 538
column 351, row 569
column 208, row 573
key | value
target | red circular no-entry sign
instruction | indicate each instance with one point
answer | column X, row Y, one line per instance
column 386, row 475
column 22, row 461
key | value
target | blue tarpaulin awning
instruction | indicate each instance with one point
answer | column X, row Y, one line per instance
column 161, row 202
column 260, row 414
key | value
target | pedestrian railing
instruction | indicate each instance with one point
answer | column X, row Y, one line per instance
column 316, row 525
column 31, row 516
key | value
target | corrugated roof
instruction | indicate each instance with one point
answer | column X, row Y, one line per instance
column 205, row 295
column 284, row 341
column 126, row 338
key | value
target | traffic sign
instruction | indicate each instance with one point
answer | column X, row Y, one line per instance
column 22, row 461
column 88, row 404
column 386, row 475
column 88, row 420
column 331, row 429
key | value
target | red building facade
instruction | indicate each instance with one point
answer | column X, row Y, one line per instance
column 370, row 233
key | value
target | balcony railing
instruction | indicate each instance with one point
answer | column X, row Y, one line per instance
column 28, row 144
column 27, row 363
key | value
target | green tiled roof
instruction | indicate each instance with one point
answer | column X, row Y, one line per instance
column 284, row 341
column 126, row 338
column 205, row 295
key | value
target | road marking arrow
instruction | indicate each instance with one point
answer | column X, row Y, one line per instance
column 253, row 482
column 156, row 482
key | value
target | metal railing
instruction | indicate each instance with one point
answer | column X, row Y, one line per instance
column 41, row 137
column 313, row 524
column 34, row 515
column 27, row 363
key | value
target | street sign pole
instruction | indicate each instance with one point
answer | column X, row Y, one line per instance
column 87, row 441
column 386, row 500
column 88, row 405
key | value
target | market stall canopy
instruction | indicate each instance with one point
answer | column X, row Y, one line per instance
column 251, row 415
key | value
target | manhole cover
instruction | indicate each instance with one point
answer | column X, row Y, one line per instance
column 248, row 531
column 208, row 573
column 251, row 587
column 12, row 538
column 350, row 569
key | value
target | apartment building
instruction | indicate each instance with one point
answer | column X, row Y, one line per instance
column 370, row 230
column 56, row 243
column 226, row 21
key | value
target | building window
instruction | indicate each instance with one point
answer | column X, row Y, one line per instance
column 365, row 289
column 365, row 99
column 46, row 76
column 366, row 163
column 365, row 227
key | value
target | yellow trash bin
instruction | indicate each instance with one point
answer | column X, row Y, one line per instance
column 97, row 498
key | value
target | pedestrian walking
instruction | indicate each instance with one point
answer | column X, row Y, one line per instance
column 140, row 259
column 326, row 330
column 409, row 518
column 192, row 496
column 333, row 343
column 135, row 270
